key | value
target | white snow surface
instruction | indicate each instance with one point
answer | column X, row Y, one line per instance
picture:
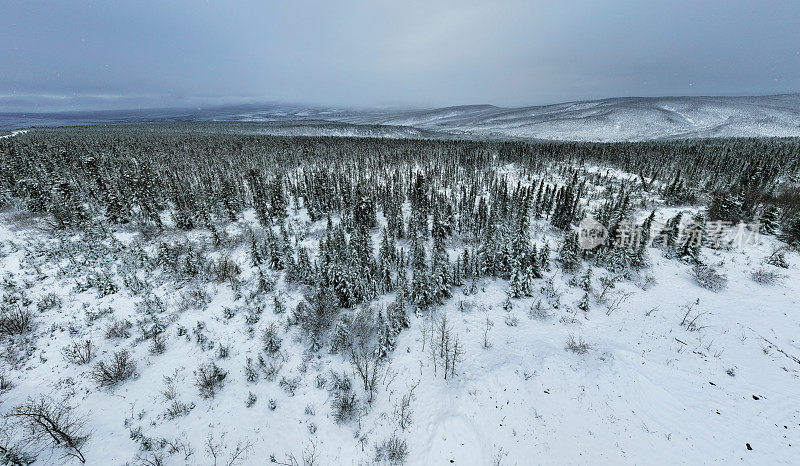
column 606, row 120
column 14, row 133
column 615, row 119
column 648, row 391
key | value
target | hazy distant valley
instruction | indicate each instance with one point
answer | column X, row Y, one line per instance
column 616, row 119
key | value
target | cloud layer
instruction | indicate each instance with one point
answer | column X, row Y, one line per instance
column 123, row 54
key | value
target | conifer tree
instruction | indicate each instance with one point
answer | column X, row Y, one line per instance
column 694, row 234
column 768, row 222
column 724, row 207
column 570, row 253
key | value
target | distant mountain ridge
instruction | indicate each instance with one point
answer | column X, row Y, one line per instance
column 614, row 119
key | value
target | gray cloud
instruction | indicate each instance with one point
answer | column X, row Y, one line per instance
column 100, row 54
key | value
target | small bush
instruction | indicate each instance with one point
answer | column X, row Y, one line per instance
column 177, row 409
column 764, row 276
column 778, row 259
column 118, row 329
column 5, row 384
column 290, row 385
column 119, row 368
column 79, row 352
column 343, row 406
column 15, row 320
column 158, row 344
column 392, row 451
column 272, row 342
column 708, row 277
column 46, row 422
column 48, row 301
column 209, row 379
column 577, row 347
column 340, row 382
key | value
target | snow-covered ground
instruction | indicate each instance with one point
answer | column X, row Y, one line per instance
column 673, row 373
column 14, row 133
column 613, row 119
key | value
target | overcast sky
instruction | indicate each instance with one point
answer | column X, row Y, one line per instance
column 118, row 54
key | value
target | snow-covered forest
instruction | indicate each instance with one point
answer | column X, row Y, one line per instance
column 179, row 296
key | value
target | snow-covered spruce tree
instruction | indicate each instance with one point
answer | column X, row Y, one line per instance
column 667, row 239
column 640, row 259
column 387, row 258
column 769, row 220
column 277, row 198
column 570, row 253
column 440, row 270
column 275, row 250
column 791, row 232
column 515, row 287
column 305, row 271
column 586, row 286
column 422, row 290
column 363, row 208
column 258, row 193
column 692, row 238
column 256, row 255
column 566, row 206
column 725, row 207
column 544, row 257
column 316, row 315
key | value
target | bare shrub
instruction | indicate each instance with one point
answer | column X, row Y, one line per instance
column 177, row 409
column 209, row 379
column 363, row 352
column 445, row 347
column 343, row 406
column 13, row 453
column 392, row 451
column 308, row 458
column 708, row 277
column 118, row 329
column 272, row 341
column 403, row 410
column 52, row 424
column 290, row 385
column 158, row 344
column 577, row 347
column 79, row 352
column 119, row 368
column 764, row 276
column 538, row 311
column 15, row 319
column 48, row 301
column 236, row 456
column 691, row 321
column 5, row 383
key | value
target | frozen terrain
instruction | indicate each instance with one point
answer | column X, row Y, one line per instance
column 615, row 119
column 223, row 363
column 674, row 373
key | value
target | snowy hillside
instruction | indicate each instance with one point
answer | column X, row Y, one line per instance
column 616, row 119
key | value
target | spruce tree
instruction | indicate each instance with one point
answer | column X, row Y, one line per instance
column 570, row 253
column 768, row 222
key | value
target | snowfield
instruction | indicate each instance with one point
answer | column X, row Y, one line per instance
column 614, row 119
column 647, row 389
column 184, row 294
